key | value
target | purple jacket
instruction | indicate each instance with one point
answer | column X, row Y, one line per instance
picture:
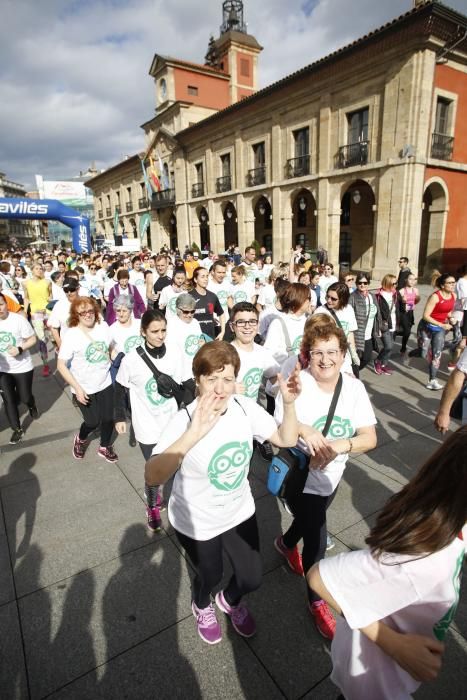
column 138, row 309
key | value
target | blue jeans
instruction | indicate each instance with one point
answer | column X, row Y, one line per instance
column 387, row 338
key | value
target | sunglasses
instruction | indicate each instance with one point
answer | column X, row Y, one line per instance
column 365, row 283
column 332, row 298
column 187, row 312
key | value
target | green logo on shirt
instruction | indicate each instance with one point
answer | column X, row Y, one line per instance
column 345, row 327
column 152, row 394
column 172, row 305
column 340, row 428
column 228, row 467
column 134, row 341
column 97, row 352
column 6, row 341
column 192, row 345
column 251, row 382
column 240, row 296
column 296, row 343
column 441, row 628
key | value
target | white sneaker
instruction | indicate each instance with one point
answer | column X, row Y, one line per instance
column 434, row 385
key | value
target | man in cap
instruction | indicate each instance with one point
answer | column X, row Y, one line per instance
column 58, row 319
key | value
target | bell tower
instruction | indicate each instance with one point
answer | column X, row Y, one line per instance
column 235, row 52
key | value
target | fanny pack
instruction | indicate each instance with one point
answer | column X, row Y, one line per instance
column 167, row 387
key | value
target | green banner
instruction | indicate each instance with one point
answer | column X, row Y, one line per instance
column 144, row 222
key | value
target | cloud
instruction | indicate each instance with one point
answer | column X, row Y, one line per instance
column 74, row 80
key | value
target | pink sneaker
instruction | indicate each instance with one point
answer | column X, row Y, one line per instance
column 378, row 367
column 242, row 620
column 154, row 519
column 385, row 369
column 46, row 371
column 209, row 628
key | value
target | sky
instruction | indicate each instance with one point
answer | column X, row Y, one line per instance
column 74, row 82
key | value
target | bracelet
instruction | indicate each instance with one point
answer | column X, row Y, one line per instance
column 20, row 350
column 350, row 445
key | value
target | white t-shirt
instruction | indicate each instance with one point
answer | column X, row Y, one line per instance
column 184, row 340
column 108, row 284
column 251, row 271
column 415, row 596
column 275, row 338
column 168, row 299
column 267, row 298
column 150, row 412
column 89, row 356
column 462, row 363
column 371, row 316
column 242, row 292
column 59, row 316
column 324, row 283
column 353, row 411
column 211, row 493
column 14, row 330
column 57, row 292
column 254, row 366
column 137, row 279
column 222, row 291
column 126, row 338
column 461, row 291
column 348, row 323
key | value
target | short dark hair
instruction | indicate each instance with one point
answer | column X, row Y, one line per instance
column 151, row 315
column 342, row 291
column 403, row 259
column 123, row 275
column 213, row 357
column 218, row 263
column 243, row 306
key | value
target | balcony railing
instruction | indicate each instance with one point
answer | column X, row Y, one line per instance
column 224, row 184
column 441, row 146
column 198, row 189
column 256, row 176
column 129, row 206
column 164, row 198
column 143, row 203
column 296, row 167
column 353, row 154
column 108, row 211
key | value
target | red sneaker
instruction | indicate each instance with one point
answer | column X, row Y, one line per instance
column 46, row 371
column 324, row 619
column 292, row 556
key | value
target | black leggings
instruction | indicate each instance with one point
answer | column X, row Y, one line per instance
column 406, row 322
column 99, row 411
column 241, row 544
column 151, row 492
column 16, row 389
column 309, row 525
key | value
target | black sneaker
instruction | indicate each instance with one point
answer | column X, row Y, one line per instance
column 16, row 436
column 33, row 412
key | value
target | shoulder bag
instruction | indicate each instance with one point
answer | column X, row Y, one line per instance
column 288, row 470
column 167, row 387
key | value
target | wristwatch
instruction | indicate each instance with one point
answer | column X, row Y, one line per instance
column 20, row 350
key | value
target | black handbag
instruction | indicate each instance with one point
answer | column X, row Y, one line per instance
column 288, row 470
column 457, row 408
column 167, row 387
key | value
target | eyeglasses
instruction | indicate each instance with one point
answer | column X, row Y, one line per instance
column 365, row 283
column 244, row 323
column 187, row 312
column 328, row 268
column 93, row 268
column 88, row 312
column 321, row 354
column 332, row 298
column 350, row 279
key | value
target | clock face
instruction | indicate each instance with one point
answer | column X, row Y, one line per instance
column 163, row 89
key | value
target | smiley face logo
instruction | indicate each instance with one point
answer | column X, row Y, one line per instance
column 240, row 296
column 134, row 341
column 228, row 466
column 340, row 428
column 296, row 344
column 192, row 343
column 6, row 340
column 171, row 306
column 251, row 382
column 97, row 352
column 152, row 394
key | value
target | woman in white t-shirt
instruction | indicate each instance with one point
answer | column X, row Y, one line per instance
column 208, row 447
column 125, row 330
column 150, row 412
column 351, row 430
column 337, row 305
column 84, row 363
column 16, row 367
column 241, row 289
column 285, row 332
column 399, row 597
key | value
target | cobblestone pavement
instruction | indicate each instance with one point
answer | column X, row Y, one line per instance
column 94, row 606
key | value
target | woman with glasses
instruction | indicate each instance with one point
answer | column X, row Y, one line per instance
column 349, row 280
column 388, row 300
column 337, row 305
column 327, row 278
column 84, row 363
column 438, row 319
column 368, row 317
column 150, row 412
column 37, row 294
column 351, row 431
column 184, row 333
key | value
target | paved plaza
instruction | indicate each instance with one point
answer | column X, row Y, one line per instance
column 94, row 606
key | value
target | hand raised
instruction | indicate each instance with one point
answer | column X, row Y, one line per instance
column 290, row 388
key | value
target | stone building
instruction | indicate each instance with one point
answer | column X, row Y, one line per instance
column 14, row 231
column 363, row 152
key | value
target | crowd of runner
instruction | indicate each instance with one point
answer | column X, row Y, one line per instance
column 202, row 359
